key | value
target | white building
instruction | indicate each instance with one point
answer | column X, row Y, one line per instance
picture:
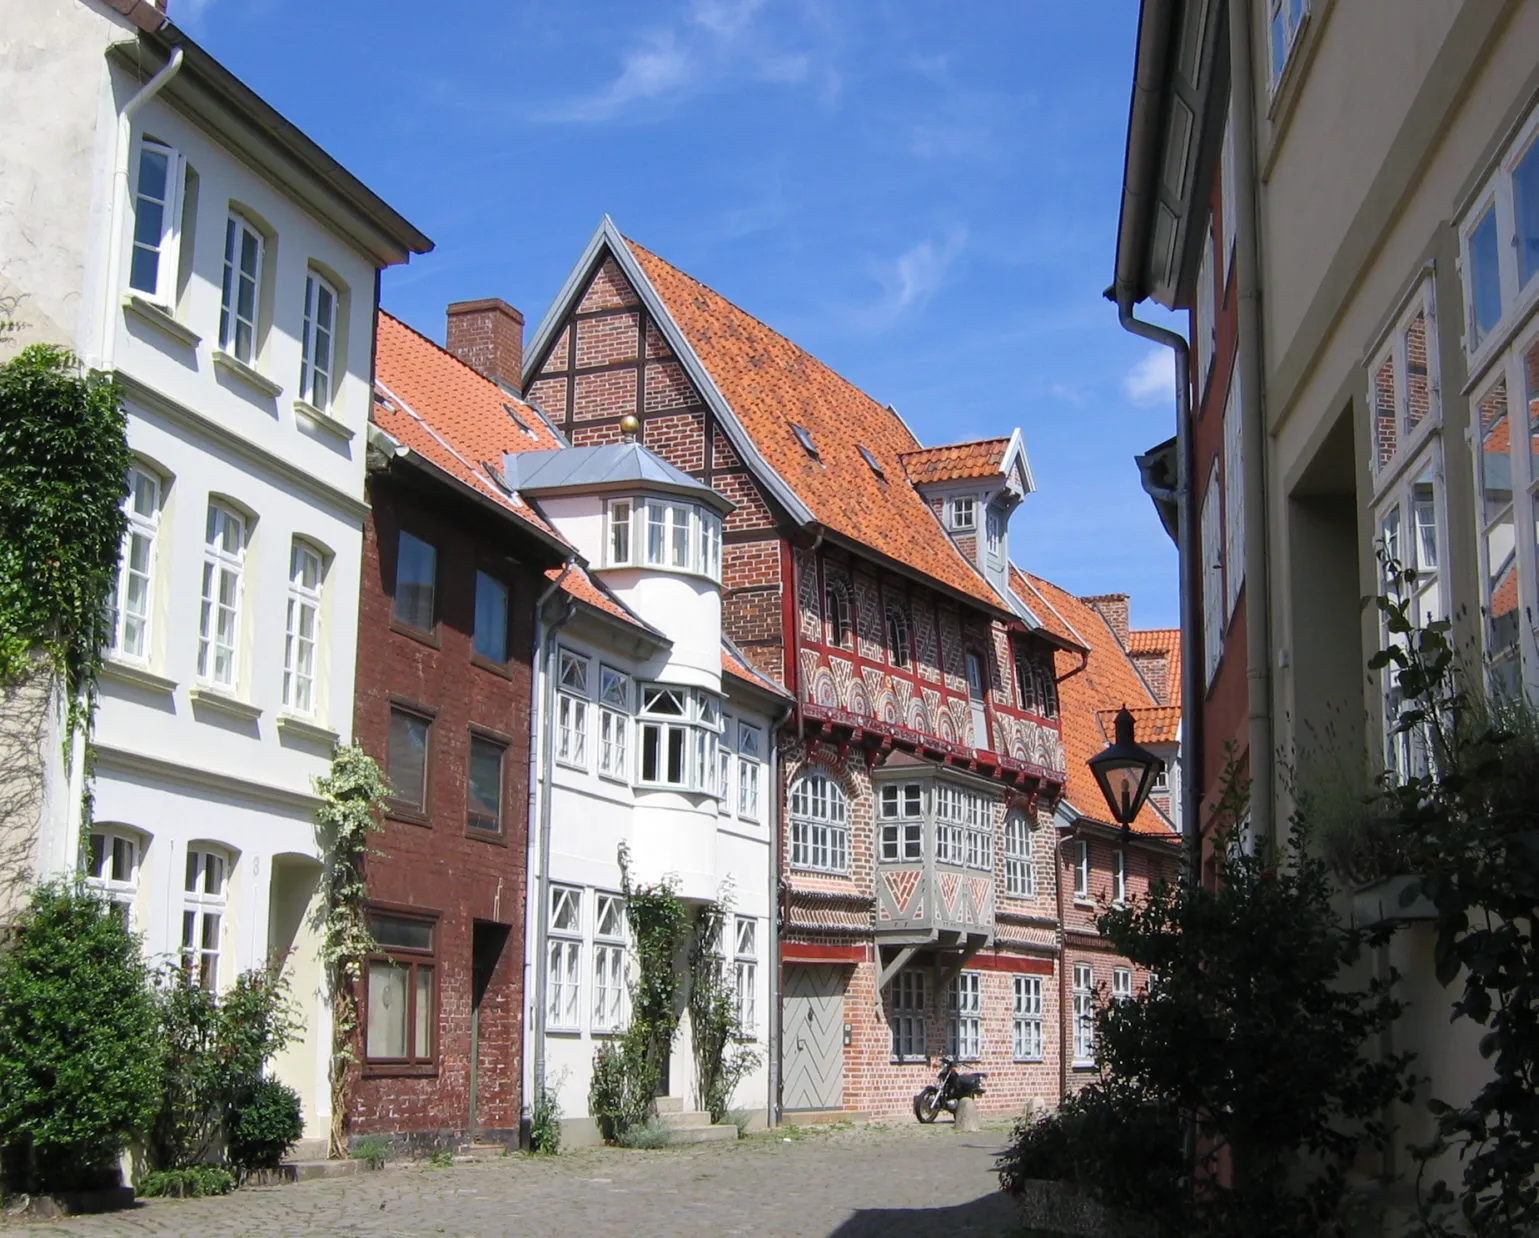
column 179, row 233
column 658, row 736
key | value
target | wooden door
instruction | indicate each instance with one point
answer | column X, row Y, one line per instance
column 813, row 1035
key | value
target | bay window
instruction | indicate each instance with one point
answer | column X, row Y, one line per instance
column 964, row 831
column 401, row 1005
column 679, row 732
column 619, row 539
column 614, row 722
column 563, row 983
column 572, row 709
column 900, row 808
column 668, row 533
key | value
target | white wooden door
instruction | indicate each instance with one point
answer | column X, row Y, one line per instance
column 980, row 737
column 813, row 1032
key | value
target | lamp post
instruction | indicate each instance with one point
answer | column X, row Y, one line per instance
column 1125, row 772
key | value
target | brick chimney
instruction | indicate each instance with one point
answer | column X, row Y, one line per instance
column 1114, row 609
column 1154, row 666
column 488, row 336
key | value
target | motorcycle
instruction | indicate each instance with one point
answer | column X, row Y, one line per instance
column 950, row 1087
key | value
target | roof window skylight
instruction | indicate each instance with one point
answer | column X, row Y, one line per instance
column 805, row 439
column 871, row 460
column 518, row 421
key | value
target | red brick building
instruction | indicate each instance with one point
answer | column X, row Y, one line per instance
column 923, row 770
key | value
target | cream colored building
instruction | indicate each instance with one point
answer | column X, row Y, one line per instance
column 1346, row 195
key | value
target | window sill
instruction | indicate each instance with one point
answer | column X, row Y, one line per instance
column 496, row 837
column 324, row 420
column 409, row 816
column 162, row 320
column 1081, row 1065
column 1029, row 1061
column 819, row 872
column 237, row 368
column 430, row 639
column 1087, row 903
column 486, row 664
column 212, row 698
column 573, row 766
column 573, row 1033
column 139, row 676
column 385, row 1070
column 303, row 728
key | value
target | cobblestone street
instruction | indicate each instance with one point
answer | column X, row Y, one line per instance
column 903, row 1182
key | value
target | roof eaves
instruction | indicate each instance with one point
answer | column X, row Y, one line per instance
column 1026, row 580
column 1001, row 608
column 1017, row 449
column 755, row 676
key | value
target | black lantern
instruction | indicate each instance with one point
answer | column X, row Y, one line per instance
column 1126, row 772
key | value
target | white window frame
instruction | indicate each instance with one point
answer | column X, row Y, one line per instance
column 573, row 690
column 750, row 756
column 1228, row 217
column 1392, row 359
column 614, row 723
column 609, row 963
column 1020, row 863
column 1234, row 497
column 1119, row 877
column 1081, row 865
column 167, row 244
column 1286, row 19
column 317, row 382
column 697, row 727
column 1122, row 984
column 237, row 229
column 564, row 933
column 906, row 1002
column 1027, row 1040
column 141, row 506
column 962, row 512
column 1212, row 577
column 820, row 823
column 113, row 858
column 1083, row 1010
column 620, row 533
column 964, row 1017
column 900, row 810
column 301, row 688
column 1205, row 315
column 964, row 827
column 1514, row 301
column 205, row 906
column 220, row 564
column 994, row 531
column 746, row 974
column 722, row 783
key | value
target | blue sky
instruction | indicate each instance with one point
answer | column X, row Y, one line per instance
column 923, row 196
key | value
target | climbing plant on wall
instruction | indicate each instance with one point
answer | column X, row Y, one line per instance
column 715, row 1022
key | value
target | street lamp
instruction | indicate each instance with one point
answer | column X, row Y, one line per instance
column 1125, row 772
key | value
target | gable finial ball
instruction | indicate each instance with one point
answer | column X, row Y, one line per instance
column 629, row 426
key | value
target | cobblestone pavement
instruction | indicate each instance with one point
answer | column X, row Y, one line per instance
column 896, row 1182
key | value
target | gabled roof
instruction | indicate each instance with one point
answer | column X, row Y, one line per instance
column 1108, row 681
column 1155, row 724
column 990, row 457
column 1165, row 641
column 604, row 467
column 735, row 664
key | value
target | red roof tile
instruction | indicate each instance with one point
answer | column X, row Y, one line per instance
column 1158, row 724
column 733, row 663
column 771, row 385
column 956, row 461
column 1168, row 642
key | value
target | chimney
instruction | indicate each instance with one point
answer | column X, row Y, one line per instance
column 1154, row 666
column 488, row 336
column 1114, row 609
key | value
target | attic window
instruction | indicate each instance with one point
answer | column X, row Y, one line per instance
column 518, row 421
column 871, row 460
column 805, row 439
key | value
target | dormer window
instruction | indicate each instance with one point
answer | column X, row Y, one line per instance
column 964, row 513
column 871, row 461
column 994, row 532
column 805, row 439
column 663, row 533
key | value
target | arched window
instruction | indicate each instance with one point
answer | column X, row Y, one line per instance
column 897, row 634
column 836, row 610
column 1049, row 693
column 820, row 829
column 1026, row 682
column 1020, row 869
column 112, row 864
column 205, row 895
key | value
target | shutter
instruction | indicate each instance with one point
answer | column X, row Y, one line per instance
column 1212, row 577
column 1234, row 500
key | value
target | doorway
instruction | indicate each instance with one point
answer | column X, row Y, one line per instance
column 487, row 943
column 813, row 1037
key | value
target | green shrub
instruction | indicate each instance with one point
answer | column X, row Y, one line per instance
column 740, row 1118
column 263, row 1124
column 78, row 1056
column 372, row 1150
column 545, row 1122
column 649, row 1133
column 440, row 1158
column 188, row 1182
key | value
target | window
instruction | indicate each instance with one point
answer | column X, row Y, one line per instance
column 242, row 278
column 1234, row 499
column 609, row 963
column 151, row 269
column 710, row 545
column 112, row 866
column 901, row 811
column 224, row 552
column 871, row 463
column 302, row 629
column 1081, row 862
column 564, row 986
column 964, row 1026
column 746, row 974
column 1228, row 218
column 680, row 732
column 1499, row 581
column 131, row 592
column 964, row 513
column 1119, row 877
column 1122, row 984
column 406, row 760
column 1404, row 395
column 490, row 640
column 483, row 786
column 416, row 577
column 1204, row 318
column 679, row 536
column 203, row 906
column 1027, row 1018
column 1212, row 578
column 897, row 634
column 619, row 543
column 836, row 610
column 614, row 721
column 722, row 786
column 1027, row 677
column 820, row 814
column 805, row 439
column 964, row 827
column 1020, row 868
column 905, row 1015
column 401, row 1011
column 994, row 534
column 1287, row 19
column 318, row 359
column 1500, row 237
column 1084, row 1015
column 572, row 709
column 750, row 752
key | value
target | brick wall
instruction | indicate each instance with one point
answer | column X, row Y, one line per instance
column 1113, row 608
column 433, row 866
column 488, row 336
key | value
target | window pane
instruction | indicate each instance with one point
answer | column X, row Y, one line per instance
column 407, row 762
column 415, row 574
column 676, row 755
column 422, row 1043
column 485, row 784
column 1485, row 277
column 1525, row 210
column 387, row 1011
column 401, row 934
column 620, row 532
column 491, row 632
column 1385, row 418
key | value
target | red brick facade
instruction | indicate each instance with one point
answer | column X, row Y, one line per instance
column 468, row 884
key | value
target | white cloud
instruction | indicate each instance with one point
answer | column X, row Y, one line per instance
column 912, row 277
column 1152, row 380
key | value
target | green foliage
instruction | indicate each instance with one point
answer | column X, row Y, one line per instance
column 716, row 1030
column 648, row 1134
column 353, row 795
column 1469, row 825
column 63, row 468
column 545, row 1122
column 189, row 1182
column 740, row 1118
column 264, row 1123
column 372, row 1150
column 213, row 1051
column 78, row 1057
column 440, row 1158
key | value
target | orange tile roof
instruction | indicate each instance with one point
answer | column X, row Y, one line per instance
column 1157, row 724
column 735, row 664
column 772, row 384
column 1168, row 642
column 452, row 416
column 1108, row 681
column 956, row 461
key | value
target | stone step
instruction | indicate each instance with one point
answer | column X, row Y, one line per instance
column 702, row 1134
column 308, row 1171
column 309, row 1149
column 669, row 1104
column 684, row 1121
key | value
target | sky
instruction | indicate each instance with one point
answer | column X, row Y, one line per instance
column 923, row 196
